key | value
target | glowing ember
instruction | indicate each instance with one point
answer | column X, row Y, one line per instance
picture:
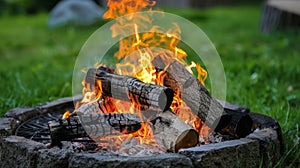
column 133, row 49
column 67, row 114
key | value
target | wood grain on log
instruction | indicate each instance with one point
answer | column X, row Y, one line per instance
column 101, row 125
column 94, row 126
column 65, row 130
column 175, row 133
column 196, row 96
column 131, row 89
column 101, row 106
column 192, row 92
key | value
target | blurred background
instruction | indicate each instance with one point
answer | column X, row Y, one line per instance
column 35, row 6
column 258, row 43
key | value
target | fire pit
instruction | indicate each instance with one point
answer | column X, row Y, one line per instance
column 20, row 125
column 149, row 109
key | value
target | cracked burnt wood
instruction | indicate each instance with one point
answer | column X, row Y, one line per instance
column 94, row 126
column 197, row 97
column 148, row 96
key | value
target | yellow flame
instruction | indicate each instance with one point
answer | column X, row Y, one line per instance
column 137, row 62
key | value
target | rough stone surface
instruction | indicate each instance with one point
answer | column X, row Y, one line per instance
column 77, row 12
column 234, row 153
column 159, row 160
column 22, row 114
column 54, row 157
column 269, row 145
column 8, row 126
column 57, row 104
column 21, row 152
column 18, row 151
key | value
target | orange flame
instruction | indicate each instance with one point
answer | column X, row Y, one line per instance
column 117, row 8
column 137, row 63
column 67, row 114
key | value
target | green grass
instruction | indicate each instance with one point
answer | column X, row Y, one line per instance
column 262, row 70
column 36, row 62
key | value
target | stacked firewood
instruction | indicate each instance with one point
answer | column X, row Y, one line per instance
column 92, row 120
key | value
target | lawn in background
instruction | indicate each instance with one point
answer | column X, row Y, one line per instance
column 262, row 71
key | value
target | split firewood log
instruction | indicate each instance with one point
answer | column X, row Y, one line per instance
column 174, row 132
column 146, row 96
column 197, row 97
column 93, row 126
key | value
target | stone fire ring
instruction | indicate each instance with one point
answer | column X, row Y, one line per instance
column 264, row 146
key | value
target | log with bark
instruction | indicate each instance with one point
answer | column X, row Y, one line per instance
column 197, row 97
column 174, row 132
column 147, row 96
column 65, row 130
column 100, row 106
column 192, row 92
column 167, row 127
column 93, row 126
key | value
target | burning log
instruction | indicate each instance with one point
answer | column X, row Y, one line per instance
column 196, row 96
column 91, row 108
column 100, row 125
column 192, row 92
column 93, row 125
column 166, row 126
column 100, row 106
column 174, row 132
column 131, row 89
column 65, row 130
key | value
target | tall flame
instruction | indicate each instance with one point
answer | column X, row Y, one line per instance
column 136, row 48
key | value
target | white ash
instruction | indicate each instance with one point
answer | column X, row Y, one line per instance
column 76, row 147
column 214, row 137
column 132, row 147
column 129, row 147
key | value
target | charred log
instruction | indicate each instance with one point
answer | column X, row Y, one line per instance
column 65, row 130
column 192, row 92
column 196, row 96
column 92, row 126
column 100, row 125
column 131, row 89
column 240, row 120
column 240, row 124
